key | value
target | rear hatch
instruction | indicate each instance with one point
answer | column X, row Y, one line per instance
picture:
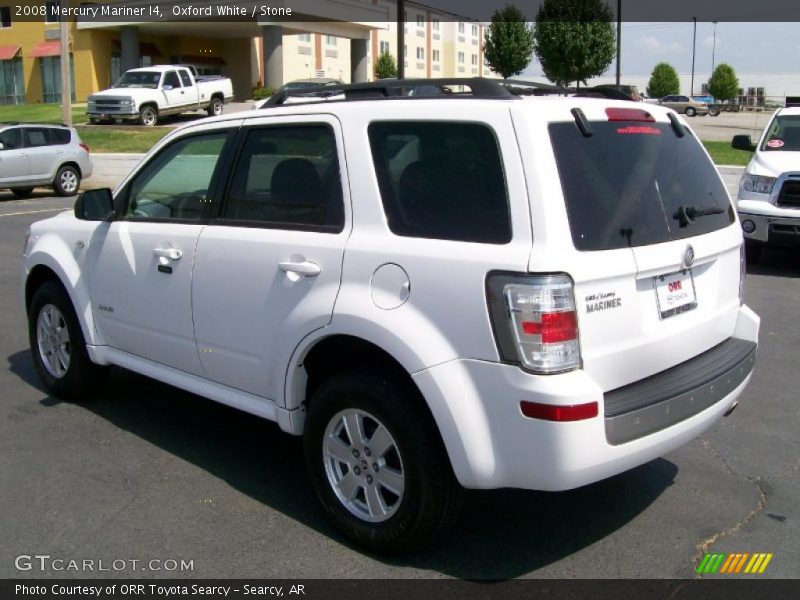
column 656, row 245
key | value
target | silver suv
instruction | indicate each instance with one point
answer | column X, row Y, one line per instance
column 34, row 155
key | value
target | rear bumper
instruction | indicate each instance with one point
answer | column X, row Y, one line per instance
column 492, row 445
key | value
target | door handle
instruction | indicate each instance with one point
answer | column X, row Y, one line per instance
column 168, row 253
column 306, row 268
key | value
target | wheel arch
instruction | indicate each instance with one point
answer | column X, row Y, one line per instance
column 71, row 163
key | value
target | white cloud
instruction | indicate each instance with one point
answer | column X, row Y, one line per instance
column 708, row 41
column 653, row 45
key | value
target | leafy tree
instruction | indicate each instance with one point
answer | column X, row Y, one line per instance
column 723, row 85
column 508, row 42
column 574, row 39
column 663, row 81
column 385, row 66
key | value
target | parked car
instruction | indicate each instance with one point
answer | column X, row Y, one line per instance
column 148, row 94
column 769, row 191
column 684, row 105
column 481, row 291
column 39, row 155
column 299, row 85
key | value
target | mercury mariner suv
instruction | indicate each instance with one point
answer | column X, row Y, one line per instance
column 470, row 290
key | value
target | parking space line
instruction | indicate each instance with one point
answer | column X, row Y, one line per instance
column 30, row 212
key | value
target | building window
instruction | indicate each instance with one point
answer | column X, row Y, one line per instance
column 5, row 17
column 384, row 47
column 474, row 60
column 436, row 24
column 12, row 84
column 116, row 68
column 51, row 78
column 460, row 28
column 52, row 15
column 474, row 31
column 304, row 37
column 420, row 21
column 420, row 53
column 330, row 40
column 435, row 56
column 461, row 58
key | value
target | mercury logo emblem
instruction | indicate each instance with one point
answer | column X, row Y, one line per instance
column 688, row 256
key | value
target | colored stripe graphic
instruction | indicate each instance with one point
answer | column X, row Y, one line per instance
column 734, row 563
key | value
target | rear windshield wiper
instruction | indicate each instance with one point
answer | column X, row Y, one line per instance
column 687, row 214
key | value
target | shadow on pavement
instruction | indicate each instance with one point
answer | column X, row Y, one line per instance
column 776, row 261
column 500, row 534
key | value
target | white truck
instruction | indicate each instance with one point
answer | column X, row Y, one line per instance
column 147, row 94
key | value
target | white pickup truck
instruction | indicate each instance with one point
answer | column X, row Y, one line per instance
column 146, row 94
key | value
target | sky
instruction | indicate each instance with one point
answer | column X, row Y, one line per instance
column 747, row 47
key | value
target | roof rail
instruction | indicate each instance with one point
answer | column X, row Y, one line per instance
column 399, row 88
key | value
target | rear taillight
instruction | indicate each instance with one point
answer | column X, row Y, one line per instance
column 84, row 146
column 534, row 321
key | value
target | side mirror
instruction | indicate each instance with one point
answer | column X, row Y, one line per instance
column 95, row 205
column 743, row 142
column 166, row 87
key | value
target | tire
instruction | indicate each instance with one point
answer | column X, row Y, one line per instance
column 22, row 192
column 58, row 347
column 148, row 116
column 67, row 181
column 690, row 112
column 713, row 111
column 215, row 107
column 413, row 487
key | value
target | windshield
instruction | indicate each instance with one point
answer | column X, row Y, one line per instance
column 139, row 79
column 783, row 134
column 636, row 184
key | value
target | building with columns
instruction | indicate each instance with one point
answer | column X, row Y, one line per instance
column 340, row 39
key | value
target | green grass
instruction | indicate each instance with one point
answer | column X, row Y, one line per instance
column 40, row 113
column 104, row 138
column 722, row 154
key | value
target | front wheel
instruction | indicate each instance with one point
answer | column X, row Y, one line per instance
column 67, row 181
column 713, row 111
column 690, row 112
column 148, row 116
column 58, row 347
column 377, row 463
column 215, row 108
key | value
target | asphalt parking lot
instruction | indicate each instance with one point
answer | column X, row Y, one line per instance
column 150, row 472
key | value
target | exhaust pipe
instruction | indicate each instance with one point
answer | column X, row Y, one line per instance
column 731, row 409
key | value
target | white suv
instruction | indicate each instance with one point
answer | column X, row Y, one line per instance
column 470, row 291
column 38, row 155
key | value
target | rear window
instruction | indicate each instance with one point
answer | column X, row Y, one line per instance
column 635, row 184
column 59, row 137
column 441, row 180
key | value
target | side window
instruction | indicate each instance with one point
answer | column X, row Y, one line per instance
column 35, row 136
column 11, row 138
column 441, row 180
column 171, row 78
column 187, row 80
column 288, row 177
column 175, row 184
column 59, row 137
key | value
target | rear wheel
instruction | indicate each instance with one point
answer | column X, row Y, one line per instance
column 58, row 347
column 22, row 192
column 67, row 181
column 215, row 108
column 148, row 116
column 690, row 111
column 377, row 463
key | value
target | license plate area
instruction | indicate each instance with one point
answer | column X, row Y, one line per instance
column 675, row 293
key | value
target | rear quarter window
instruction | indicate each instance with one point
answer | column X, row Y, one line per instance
column 627, row 183
column 441, row 180
column 60, row 137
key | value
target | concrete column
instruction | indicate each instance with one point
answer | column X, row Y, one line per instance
column 359, row 61
column 129, row 48
column 272, row 55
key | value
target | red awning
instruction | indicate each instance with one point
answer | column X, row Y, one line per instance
column 43, row 49
column 8, row 52
column 145, row 48
column 201, row 60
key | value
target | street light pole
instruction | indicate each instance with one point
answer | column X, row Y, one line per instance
column 619, row 41
column 714, row 47
column 401, row 38
column 694, row 48
column 66, row 92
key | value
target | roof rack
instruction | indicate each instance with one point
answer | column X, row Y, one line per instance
column 479, row 87
column 34, row 124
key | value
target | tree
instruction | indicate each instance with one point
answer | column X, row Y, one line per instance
column 574, row 39
column 723, row 85
column 663, row 81
column 385, row 66
column 508, row 42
